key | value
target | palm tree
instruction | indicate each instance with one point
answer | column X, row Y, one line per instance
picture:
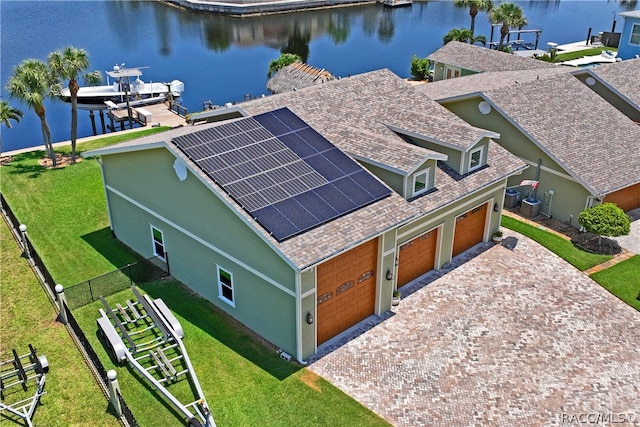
column 509, row 15
column 474, row 6
column 31, row 83
column 7, row 112
column 67, row 64
column 463, row 35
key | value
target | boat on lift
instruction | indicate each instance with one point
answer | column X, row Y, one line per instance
column 125, row 85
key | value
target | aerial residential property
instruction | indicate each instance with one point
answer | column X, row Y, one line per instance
column 301, row 216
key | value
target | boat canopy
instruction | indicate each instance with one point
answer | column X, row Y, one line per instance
column 119, row 72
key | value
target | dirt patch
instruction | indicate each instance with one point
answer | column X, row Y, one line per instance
column 583, row 240
column 310, row 379
column 62, row 160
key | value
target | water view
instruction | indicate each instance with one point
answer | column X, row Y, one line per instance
column 223, row 59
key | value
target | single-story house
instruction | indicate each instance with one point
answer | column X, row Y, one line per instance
column 629, row 46
column 457, row 59
column 581, row 149
column 618, row 83
column 301, row 214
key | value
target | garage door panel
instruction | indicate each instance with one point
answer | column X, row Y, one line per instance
column 346, row 290
column 627, row 199
column 469, row 229
column 417, row 257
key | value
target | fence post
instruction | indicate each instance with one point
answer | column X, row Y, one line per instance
column 114, row 390
column 23, row 238
column 62, row 304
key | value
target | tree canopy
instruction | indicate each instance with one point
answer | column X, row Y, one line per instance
column 509, row 15
column 606, row 219
column 31, row 83
column 463, row 35
column 284, row 60
column 474, row 6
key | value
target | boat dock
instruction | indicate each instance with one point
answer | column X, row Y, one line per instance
column 158, row 114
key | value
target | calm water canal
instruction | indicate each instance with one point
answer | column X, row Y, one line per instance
column 222, row 58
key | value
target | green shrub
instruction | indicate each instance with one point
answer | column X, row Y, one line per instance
column 606, row 219
column 284, row 60
column 420, row 67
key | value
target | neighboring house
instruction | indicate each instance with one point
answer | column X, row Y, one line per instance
column 297, row 76
column 457, row 59
column 630, row 39
column 265, row 216
column 618, row 83
column 588, row 149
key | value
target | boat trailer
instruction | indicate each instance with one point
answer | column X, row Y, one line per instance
column 147, row 335
column 20, row 371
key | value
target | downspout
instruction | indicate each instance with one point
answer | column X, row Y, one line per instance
column 299, row 322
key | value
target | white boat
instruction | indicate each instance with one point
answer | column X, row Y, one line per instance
column 397, row 3
column 126, row 83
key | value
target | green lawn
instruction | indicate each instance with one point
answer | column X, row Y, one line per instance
column 245, row 381
column 28, row 317
column 622, row 280
column 580, row 259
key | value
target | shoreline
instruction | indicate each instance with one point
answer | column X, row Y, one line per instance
column 242, row 8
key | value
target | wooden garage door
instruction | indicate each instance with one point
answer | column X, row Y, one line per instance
column 416, row 257
column 469, row 229
column 346, row 290
column 627, row 199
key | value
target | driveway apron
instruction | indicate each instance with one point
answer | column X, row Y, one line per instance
column 514, row 336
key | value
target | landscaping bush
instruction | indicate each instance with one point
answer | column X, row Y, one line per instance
column 420, row 67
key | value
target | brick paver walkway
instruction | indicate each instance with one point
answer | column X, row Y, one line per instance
column 513, row 337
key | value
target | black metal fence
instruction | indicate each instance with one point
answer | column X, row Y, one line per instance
column 86, row 292
column 47, row 279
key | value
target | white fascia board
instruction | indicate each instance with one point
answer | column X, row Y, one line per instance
column 123, row 149
column 436, row 155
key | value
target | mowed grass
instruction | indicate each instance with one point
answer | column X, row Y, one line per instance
column 580, row 259
column 622, row 280
column 244, row 380
column 28, row 317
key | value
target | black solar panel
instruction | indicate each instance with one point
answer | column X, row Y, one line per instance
column 281, row 171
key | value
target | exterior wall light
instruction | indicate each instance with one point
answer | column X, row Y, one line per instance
column 496, row 208
column 389, row 274
column 309, row 318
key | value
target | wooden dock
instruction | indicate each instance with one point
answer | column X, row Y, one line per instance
column 159, row 114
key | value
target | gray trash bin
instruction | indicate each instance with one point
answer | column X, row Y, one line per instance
column 511, row 198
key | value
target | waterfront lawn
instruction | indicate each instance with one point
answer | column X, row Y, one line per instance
column 580, row 259
column 65, row 211
column 244, row 380
column 561, row 57
column 28, row 317
column 622, row 280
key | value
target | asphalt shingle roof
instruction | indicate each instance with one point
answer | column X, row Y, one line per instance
column 351, row 113
column 596, row 143
column 481, row 59
column 623, row 77
column 485, row 81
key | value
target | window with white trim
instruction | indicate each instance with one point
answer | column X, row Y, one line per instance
column 420, row 182
column 158, row 243
column 475, row 159
column 225, row 286
column 635, row 35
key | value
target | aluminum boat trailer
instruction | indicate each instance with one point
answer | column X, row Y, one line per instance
column 20, row 371
column 147, row 335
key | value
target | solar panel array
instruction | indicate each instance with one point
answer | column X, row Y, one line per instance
column 281, row 171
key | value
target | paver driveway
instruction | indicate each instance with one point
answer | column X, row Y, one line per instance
column 513, row 337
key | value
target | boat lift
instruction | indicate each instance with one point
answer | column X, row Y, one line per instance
column 20, row 371
column 147, row 335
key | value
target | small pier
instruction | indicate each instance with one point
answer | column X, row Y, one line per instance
column 122, row 117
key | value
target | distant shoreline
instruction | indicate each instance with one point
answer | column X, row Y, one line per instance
column 262, row 7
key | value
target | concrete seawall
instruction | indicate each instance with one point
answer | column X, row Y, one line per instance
column 261, row 7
